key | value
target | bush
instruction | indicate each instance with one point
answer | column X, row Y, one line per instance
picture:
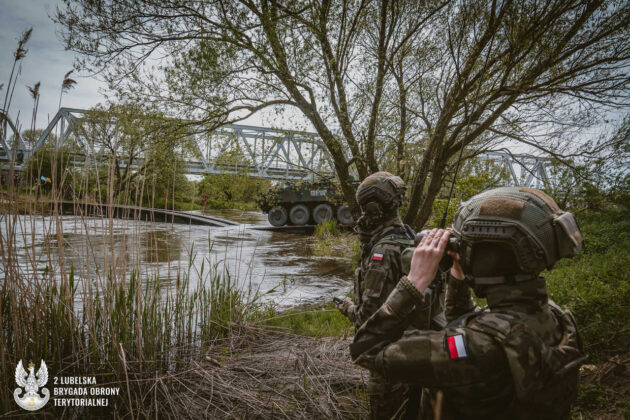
column 596, row 284
column 229, row 191
column 330, row 241
column 327, row 229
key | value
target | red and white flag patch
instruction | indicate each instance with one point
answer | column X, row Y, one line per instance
column 377, row 257
column 456, row 346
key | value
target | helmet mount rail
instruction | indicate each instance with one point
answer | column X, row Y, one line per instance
column 530, row 255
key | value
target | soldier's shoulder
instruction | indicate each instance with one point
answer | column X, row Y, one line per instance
column 386, row 246
column 478, row 346
column 394, row 243
column 493, row 323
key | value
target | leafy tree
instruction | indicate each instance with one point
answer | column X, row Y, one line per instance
column 31, row 136
column 224, row 190
column 402, row 83
column 580, row 183
column 229, row 189
column 135, row 143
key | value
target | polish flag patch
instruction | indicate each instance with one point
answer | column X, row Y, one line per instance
column 456, row 346
column 377, row 257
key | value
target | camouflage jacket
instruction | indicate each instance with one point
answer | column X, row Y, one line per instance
column 380, row 270
column 518, row 359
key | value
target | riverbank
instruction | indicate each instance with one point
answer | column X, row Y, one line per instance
column 25, row 202
column 271, row 373
column 94, row 310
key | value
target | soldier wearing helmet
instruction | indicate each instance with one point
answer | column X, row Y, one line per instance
column 384, row 237
column 519, row 356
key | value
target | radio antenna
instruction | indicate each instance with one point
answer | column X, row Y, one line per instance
column 468, row 114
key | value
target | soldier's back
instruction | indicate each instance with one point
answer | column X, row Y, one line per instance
column 520, row 365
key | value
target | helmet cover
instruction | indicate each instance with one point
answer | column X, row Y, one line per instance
column 380, row 192
column 525, row 220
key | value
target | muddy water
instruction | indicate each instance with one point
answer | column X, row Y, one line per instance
column 279, row 265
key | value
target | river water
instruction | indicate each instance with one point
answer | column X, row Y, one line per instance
column 280, row 266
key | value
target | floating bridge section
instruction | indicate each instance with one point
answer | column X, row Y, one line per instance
column 262, row 152
column 143, row 213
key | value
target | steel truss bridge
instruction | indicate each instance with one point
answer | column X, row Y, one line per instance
column 268, row 153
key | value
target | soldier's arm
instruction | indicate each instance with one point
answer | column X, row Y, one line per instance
column 454, row 356
column 351, row 313
column 381, row 277
column 458, row 300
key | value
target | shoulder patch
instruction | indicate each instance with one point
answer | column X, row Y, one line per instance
column 377, row 257
column 456, row 346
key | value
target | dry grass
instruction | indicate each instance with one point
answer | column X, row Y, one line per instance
column 268, row 373
column 605, row 390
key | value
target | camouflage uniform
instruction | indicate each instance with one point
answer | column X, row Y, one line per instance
column 517, row 358
column 380, row 270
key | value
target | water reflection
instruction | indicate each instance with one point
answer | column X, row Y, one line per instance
column 160, row 246
column 281, row 264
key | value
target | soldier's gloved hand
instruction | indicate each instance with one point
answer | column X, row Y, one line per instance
column 344, row 306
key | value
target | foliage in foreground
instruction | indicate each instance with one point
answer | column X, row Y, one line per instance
column 596, row 284
column 126, row 328
column 331, row 241
column 313, row 321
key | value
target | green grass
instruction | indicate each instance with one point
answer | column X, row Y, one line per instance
column 313, row 321
column 327, row 229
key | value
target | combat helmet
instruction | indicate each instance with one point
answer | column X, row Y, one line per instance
column 523, row 222
column 380, row 195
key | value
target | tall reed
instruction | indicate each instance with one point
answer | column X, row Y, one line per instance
column 106, row 316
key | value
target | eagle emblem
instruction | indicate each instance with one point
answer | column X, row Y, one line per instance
column 31, row 383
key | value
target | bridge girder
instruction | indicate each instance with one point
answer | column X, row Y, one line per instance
column 272, row 153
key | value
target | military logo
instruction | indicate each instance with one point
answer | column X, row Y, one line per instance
column 456, row 346
column 31, row 383
column 377, row 257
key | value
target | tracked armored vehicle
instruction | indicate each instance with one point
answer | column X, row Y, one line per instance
column 305, row 203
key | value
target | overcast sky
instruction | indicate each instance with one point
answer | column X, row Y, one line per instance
column 45, row 62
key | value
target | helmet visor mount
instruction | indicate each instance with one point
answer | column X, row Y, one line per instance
column 530, row 256
column 372, row 194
